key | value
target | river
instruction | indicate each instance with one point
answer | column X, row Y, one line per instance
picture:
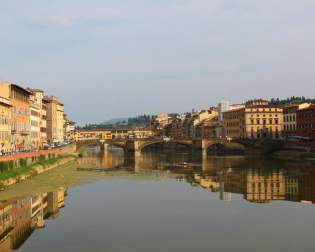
column 162, row 202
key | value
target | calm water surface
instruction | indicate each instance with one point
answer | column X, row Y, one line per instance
column 162, row 202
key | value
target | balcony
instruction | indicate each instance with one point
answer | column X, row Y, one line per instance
column 5, row 101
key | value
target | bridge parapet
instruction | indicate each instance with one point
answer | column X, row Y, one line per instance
column 137, row 145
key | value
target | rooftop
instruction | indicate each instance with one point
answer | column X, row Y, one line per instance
column 21, row 89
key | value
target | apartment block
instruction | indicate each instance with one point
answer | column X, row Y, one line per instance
column 5, row 120
column 257, row 119
column 55, row 120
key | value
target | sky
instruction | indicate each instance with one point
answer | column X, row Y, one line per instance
column 117, row 58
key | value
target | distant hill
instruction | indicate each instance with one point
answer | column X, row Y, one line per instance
column 141, row 121
column 114, row 121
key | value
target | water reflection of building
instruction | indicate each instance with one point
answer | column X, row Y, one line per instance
column 20, row 217
column 207, row 182
column 55, row 201
column 307, row 187
column 259, row 185
column 22, row 227
column 6, row 225
column 292, row 187
column 261, row 188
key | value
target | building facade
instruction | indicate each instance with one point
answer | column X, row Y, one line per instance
column 55, row 120
column 290, row 118
column 35, row 117
column 69, row 129
column 43, row 122
column 306, row 122
column 256, row 120
column 20, row 115
column 5, row 122
column 263, row 188
column 222, row 107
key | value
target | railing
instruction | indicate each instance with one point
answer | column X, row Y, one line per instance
column 21, row 155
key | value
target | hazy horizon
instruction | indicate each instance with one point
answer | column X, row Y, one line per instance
column 112, row 59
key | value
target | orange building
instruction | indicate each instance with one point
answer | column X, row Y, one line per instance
column 20, row 115
column 21, row 125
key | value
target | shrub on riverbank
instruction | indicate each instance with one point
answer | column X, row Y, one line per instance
column 83, row 151
column 4, row 166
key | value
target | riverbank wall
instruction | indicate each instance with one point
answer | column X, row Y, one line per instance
column 31, row 157
column 22, row 166
column 36, row 169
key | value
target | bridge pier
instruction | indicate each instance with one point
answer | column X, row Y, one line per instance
column 204, row 154
column 104, row 147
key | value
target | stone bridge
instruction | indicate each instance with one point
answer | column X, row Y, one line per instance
column 138, row 145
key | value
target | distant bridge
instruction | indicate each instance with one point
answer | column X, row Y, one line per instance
column 138, row 145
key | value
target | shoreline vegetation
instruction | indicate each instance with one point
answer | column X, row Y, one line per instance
column 83, row 151
column 11, row 174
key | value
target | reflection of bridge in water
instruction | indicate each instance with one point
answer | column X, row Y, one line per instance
column 257, row 180
column 115, row 158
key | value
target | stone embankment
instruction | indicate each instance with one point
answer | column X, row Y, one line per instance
column 29, row 155
column 36, row 170
column 50, row 159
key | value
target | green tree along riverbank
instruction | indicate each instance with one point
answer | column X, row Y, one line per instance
column 11, row 173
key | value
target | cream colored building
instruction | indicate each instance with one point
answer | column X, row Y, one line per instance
column 69, row 129
column 256, row 120
column 35, row 117
column 55, row 120
column 191, row 128
column 162, row 119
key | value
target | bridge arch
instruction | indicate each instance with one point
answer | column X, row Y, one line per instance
column 226, row 148
column 87, row 143
column 145, row 145
column 121, row 146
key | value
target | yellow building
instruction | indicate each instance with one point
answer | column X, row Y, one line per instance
column 5, row 124
column 55, row 120
column 140, row 133
column 257, row 119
